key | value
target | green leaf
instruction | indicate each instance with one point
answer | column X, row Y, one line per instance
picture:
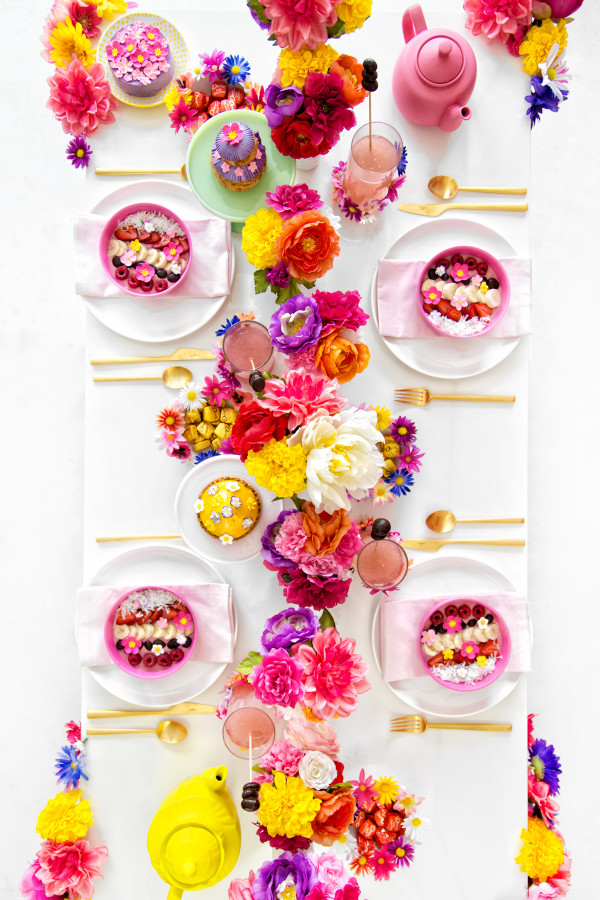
column 260, row 282
column 307, row 284
column 259, row 9
column 337, row 29
column 285, row 577
column 246, row 665
column 326, row 620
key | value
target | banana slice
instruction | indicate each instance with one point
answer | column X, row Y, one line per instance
column 458, row 639
column 120, row 632
column 428, row 651
column 429, row 282
column 148, row 629
column 137, row 631
column 170, row 632
column 142, row 253
column 161, row 260
column 447, row 641
column 479, row 635
column 152, row 256
column 492, row 298
column 493, row 632
column 437, row 645
column 449, row 290
column 473, row 294
column 188, row 631
column 116, row 247
column 468, row 635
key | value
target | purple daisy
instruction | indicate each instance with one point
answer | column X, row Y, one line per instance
column 402, row 851
column 403, row 430
column 79, row 152
column 351, row 210
column 545, row 764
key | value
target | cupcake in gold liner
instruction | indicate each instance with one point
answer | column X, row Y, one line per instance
column 228, row 509
column 238, row 158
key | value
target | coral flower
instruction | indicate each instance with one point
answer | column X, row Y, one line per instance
column 323, row 531
column 81, row 100
column 171, row 418
column 300, row 24
column 308, row 244
column 68, row 40
column 362, row 865
column 333, row 675
column 341, row 358
column 70, row 867
column 350, row 71
column 334, row 816
column 500, row 19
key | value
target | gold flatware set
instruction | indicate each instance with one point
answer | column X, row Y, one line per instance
column 169, row 731
column 445, row 187
column 184, row 353
column 421, row 397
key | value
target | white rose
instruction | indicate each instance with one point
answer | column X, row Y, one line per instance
column 317, row 770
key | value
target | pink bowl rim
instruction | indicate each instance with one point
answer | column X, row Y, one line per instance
column 506, row 647
column 495, row 264
column 116, row 657
column 109, row 228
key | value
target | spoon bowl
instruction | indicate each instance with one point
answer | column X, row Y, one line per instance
column 442, row 521
column 168, row 731
column 445, row 187
column 176, row 376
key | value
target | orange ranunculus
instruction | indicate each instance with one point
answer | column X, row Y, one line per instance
column 350, row 71
column 323, row 531
column 335, row 815
column 339, row 357
column 307, row 244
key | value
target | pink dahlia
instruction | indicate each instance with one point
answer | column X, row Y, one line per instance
column 301, row 589
column 340, row 310
column 277, row 680
column 334, row 674
column 290, row 199
column 498, row 19
column 283, row 757
column 70, row 866
column 81, row 99
column 300, row 23
column 301, row 395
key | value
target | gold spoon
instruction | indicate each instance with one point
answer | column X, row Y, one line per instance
column 445, row 187
column 169, row 731
column 182, row 171
column 442, row 521
column 174, row 377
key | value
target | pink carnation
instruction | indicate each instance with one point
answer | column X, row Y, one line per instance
column 277, row 680
column 334, row 674
column 70, row 866
column 340, row 310
column 301, row 395
column 310, row 590
column 498, row 19
column 539, row 793
column 291, row 538
column 300, row 23
column 313, row 736
column 282, row 757
column 81, row 99
column 73, row 731
column 562, row 878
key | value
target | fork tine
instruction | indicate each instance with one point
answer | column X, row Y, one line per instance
column 401, row 720
column 414, row 396
column 407, row 730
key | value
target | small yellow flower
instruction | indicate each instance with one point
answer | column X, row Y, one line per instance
column 295, row 65
column 538, row 42
column 448, row 654
column 107, row 9
column 135, row 245
column 259, row 236
column 387, row 789
column 67, row 39
column 354, row 13
column 384, row 417
column 483, row 288
column 287, row 807
column 542, row 852
column 481, row 660
column 65, row 818
column 278, row 468
column 173, row 96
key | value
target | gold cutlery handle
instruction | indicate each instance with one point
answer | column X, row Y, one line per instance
column 488, row 190
column 499, row 207
column 470, row 727
column 507, row 542
column 120, row 731
column 198, row 708
column 129, row 359
column 495, row 521
column 139, row 537
column 490, row 398
column 137, row 171
column 128, row 378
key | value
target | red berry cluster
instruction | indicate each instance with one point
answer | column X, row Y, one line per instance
column 377, row 825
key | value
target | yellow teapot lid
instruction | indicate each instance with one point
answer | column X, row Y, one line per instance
column 193, row 855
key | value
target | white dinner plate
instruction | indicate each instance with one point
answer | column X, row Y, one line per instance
column 439, row 577
column 151, row 318
column 439, row 356
column 158, row 564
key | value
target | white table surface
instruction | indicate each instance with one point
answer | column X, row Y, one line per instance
column 44, row 529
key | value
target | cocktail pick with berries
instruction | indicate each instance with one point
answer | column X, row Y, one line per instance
column 370, row 84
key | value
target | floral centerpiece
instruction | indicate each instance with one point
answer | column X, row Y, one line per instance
column 297, row 876
column 543, row 856
column 536, row 31
column 66, row 864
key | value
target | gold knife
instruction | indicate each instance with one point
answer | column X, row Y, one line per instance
column 432, row 544
column 181, row 709
column 182, row 353
column 436, row 209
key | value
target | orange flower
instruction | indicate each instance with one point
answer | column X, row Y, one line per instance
column 339, row 357
column 324, row 531
column 350, row 71
column 307, row 244
column 335, row 815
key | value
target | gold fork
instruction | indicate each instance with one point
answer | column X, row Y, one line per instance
column 417, row 725
column 421, row 396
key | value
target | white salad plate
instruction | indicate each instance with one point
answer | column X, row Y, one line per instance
column 158, row 564
column 163, row 317
column 440, row 577
column 439, row 356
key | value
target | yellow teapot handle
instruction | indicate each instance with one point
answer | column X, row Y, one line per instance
column 175, row 893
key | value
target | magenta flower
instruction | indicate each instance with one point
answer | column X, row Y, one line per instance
column 364, row 789
column 410, row 458
column 182, row 620
column 182, row 116
column 334, row 675
column 80, row 99
column 173, row 251
column 300, row 24
column 383, row 864
column 303, row 590
column 351, row 210
column 212, row 63
column 403, row 430
column 432, row 295
column 70, row 866
column 215, row 391
column 79, row 152
column 469, row 650
column 278, row 275
column 499, row 19
column 31, row 887
column 277, row 680
column 453, row 624
column 288, row 199
column 459, row 272
column 87, row 17
column 327, row 108
column 232, row 133
column 130, row 645
column 280, row 842
column 73, row 731
column 144, row 272
column 301, row 395
column 340, row 309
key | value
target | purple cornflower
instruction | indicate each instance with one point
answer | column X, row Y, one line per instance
column 79, row 152
column 403, row 430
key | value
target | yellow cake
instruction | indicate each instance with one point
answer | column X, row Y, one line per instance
column 228, row 509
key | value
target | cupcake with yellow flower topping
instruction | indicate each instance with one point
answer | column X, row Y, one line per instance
column 228, row 509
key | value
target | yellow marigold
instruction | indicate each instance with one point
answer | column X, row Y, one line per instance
column 538, row 42
column 173, row 96
column 107, row 9
column 279, row 468
column 354, row 13
column 296, row 64
column 287, row 807
column 542, row 852
column 387, row 789
column 67, row 39
column 65, row 818
column 259, row 236
column 384, row 417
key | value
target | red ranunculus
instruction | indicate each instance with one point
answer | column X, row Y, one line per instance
column 294, row 138
column 254, row 427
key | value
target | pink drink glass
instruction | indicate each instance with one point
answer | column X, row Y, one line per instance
column 382, row 564
column 372, row 163
column 247, row 346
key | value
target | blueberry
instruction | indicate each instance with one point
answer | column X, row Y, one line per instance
column 172, row 644
column 432, row 274
column 490, row 618
column 472, row 623
column 493, row 284
column 172, row 277
column 161, row 273
column 116, row 261
column 119, row 645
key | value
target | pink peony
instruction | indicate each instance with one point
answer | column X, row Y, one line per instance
column 539, row 793
column 277, row 680
column 70, row 866
column 498, row 19
column 301, row 395
column 340, row 310
column 283, row 757
column 241, row 888
column 543, row 891
column 291, row 538
column 331, row 871
column 313, row 736
column 301, row 589
column 81, row 99
column 334, row 674
column 326, row 107
column 288, row 200
column 300, row 23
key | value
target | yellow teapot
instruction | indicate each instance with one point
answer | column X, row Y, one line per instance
column 194, row 838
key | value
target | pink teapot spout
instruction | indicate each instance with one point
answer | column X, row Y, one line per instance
column 454, row 116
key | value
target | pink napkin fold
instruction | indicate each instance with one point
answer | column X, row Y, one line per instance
column 210, row 604
column 400, row 636
column 398, row 314
column 210, row 270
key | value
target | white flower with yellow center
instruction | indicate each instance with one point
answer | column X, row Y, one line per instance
column 199, row 506
column 190, row 396
column 226, row 539
column 414, row 826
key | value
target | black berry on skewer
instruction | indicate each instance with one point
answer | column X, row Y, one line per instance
column 250, row 799
column 256, row 380
column 380, row 529
column 369, row 75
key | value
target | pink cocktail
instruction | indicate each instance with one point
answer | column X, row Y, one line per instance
column 382, row 564
column 248, row 732
column 247, row 346
column 372, row 164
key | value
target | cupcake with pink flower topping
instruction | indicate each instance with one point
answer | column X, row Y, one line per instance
column 238, row 158
column 140, row 59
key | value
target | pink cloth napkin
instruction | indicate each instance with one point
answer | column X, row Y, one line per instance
column 210, row 270
column 210, row 604
column 398, row 314
column 400, row 636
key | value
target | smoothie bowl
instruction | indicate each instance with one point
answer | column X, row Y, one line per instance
column 150, row 632
column 463, row 292
column 464, row 644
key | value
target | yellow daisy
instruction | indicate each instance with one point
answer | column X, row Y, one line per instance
column 107, row 9
column 387, row 789
column 384, row 417
column 67, row 39
column 173, row 96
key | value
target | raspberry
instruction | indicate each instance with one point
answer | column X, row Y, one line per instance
column 134, row 659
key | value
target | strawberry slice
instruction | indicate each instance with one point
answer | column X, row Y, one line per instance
column 443, row 307
column 483, row 310
column 472, row 311
column 490, row 648
column 428, row 307
column 454, row 314
column 126, row 234
column 436, row 660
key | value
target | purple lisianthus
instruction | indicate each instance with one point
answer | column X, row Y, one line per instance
column 278, row 275
column 296, row 868
column 281, row 103
column 277, row 679
column 270, row 554
column 290, row 199
column 280, row 842
column 296, row 324
column 290, row 626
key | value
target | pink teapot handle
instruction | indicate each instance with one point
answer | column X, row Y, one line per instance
column 413, row 21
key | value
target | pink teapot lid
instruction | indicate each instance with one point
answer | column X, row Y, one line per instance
column 440, row 60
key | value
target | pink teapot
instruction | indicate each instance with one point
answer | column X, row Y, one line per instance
column 434, row 75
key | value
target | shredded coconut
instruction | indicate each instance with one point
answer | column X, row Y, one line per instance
column 161, row 223
column 153, row 598
column 463, row 326
column 465, row 673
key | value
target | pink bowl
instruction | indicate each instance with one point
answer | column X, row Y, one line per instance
column 501, row 276
column 107, row 234
column 504, row 648
column 119, row 659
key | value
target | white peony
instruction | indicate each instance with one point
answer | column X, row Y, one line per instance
column 317, row 770
column 342, row 456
